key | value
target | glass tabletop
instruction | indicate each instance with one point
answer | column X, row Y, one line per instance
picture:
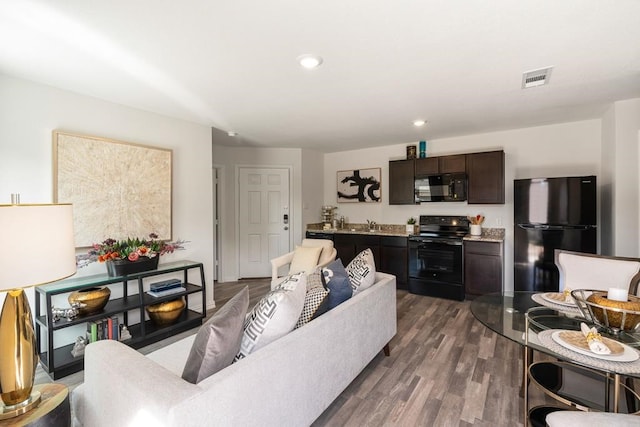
column 505, row 315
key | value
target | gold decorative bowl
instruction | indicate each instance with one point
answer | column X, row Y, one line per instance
column 622, row 311
column 166, row 313
column 92, row 300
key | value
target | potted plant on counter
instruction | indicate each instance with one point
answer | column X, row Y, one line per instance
column 411, row 225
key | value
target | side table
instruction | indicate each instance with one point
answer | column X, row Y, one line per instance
column 53, row 410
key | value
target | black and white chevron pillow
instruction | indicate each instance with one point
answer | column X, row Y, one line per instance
column 362, row 271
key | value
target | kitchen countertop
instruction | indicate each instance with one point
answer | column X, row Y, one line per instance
column 488, row 234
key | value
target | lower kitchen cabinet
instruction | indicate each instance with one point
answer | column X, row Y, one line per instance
column 394, row 259
column 350, row 245
column 389, row 252
column 483, row 267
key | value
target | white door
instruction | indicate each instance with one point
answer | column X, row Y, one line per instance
column 264, row 219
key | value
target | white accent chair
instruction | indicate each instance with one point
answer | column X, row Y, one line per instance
column 590, row 271
column 327, row 255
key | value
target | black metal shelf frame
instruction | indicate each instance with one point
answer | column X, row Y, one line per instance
column 59, row 362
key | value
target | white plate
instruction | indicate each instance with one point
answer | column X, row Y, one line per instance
column 558, row 298
column 629, row 355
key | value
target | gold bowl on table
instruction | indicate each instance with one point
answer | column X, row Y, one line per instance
column 166, row 313
column 91, row 300
column 628, row 310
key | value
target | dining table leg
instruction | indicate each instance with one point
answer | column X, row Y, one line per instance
column 526, row 354
column 616, row 392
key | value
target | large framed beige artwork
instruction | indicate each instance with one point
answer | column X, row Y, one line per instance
column 118, row 189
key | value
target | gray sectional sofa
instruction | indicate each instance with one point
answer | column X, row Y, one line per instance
column 289, row 382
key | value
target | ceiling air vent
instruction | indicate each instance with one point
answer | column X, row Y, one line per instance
column 535, row 78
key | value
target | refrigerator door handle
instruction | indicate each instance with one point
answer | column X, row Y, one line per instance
column 534, row 226
column 555, row 227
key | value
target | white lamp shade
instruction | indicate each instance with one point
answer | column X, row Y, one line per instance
column 36, row 244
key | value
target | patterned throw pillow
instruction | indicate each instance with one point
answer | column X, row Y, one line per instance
column 218, row 340
column 362, row 271
column 337, row 281
column 314, row 279
column 312, row 302
column 274, row 315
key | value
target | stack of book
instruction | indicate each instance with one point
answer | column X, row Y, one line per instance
column 165, row 287
column 103, row 329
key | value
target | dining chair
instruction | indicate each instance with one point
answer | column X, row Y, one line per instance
column 590, row 271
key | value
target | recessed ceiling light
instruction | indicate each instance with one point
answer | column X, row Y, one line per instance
column 419, row 123
column 232, row 133
column 309, row 61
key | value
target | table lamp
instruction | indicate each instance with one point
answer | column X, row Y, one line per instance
column 36, row 247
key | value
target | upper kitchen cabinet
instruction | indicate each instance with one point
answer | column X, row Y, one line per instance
column 485, row 174
column 441, row 164
column 401, row 182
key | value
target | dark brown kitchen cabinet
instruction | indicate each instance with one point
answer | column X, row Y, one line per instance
column 401, row 182
column 483, row 266
column 350, row 245
column 485, row 174
column 427, row 166
column 389, row 253
column 394, row 258
column 441, row 164
column 453, row 164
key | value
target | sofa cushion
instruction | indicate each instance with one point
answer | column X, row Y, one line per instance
column 218, row 340
column 274, row 315
column 305, row 259
column 362, row 271
column 337, row 281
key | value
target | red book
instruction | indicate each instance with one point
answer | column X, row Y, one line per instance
column 110, row 328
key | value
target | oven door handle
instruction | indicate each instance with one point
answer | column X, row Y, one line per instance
column 440, row 242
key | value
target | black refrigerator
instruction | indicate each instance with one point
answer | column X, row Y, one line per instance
column 551, row 213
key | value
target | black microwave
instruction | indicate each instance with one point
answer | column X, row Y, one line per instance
column 449, row 187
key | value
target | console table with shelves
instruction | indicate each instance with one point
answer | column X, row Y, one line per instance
column 59, row 362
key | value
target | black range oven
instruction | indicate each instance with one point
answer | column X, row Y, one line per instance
column 436, row 264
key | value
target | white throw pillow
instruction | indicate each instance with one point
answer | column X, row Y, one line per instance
column 362, row 271
column 305, row 258
column 274, row 315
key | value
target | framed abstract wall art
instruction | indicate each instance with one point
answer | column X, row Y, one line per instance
column 359, row 186
column 118, row 189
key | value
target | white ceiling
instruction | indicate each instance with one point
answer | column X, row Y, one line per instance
column 232, row 64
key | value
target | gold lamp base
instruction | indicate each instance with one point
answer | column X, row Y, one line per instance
column 18, row 358
column 11, row 411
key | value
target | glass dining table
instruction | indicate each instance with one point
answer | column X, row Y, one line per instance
column 520, row 317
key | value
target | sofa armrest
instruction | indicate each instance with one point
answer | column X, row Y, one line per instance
column 278, row 262
column 123, row 387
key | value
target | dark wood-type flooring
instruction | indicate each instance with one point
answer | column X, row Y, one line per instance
column 445, row 369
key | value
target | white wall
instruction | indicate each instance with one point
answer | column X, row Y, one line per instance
column 556, row 150
column 230, row 159
column 29, row 112
column 312, row 186
column 626, row 219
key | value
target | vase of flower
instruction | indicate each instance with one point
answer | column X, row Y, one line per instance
column 133, row 255
column 122, row 267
